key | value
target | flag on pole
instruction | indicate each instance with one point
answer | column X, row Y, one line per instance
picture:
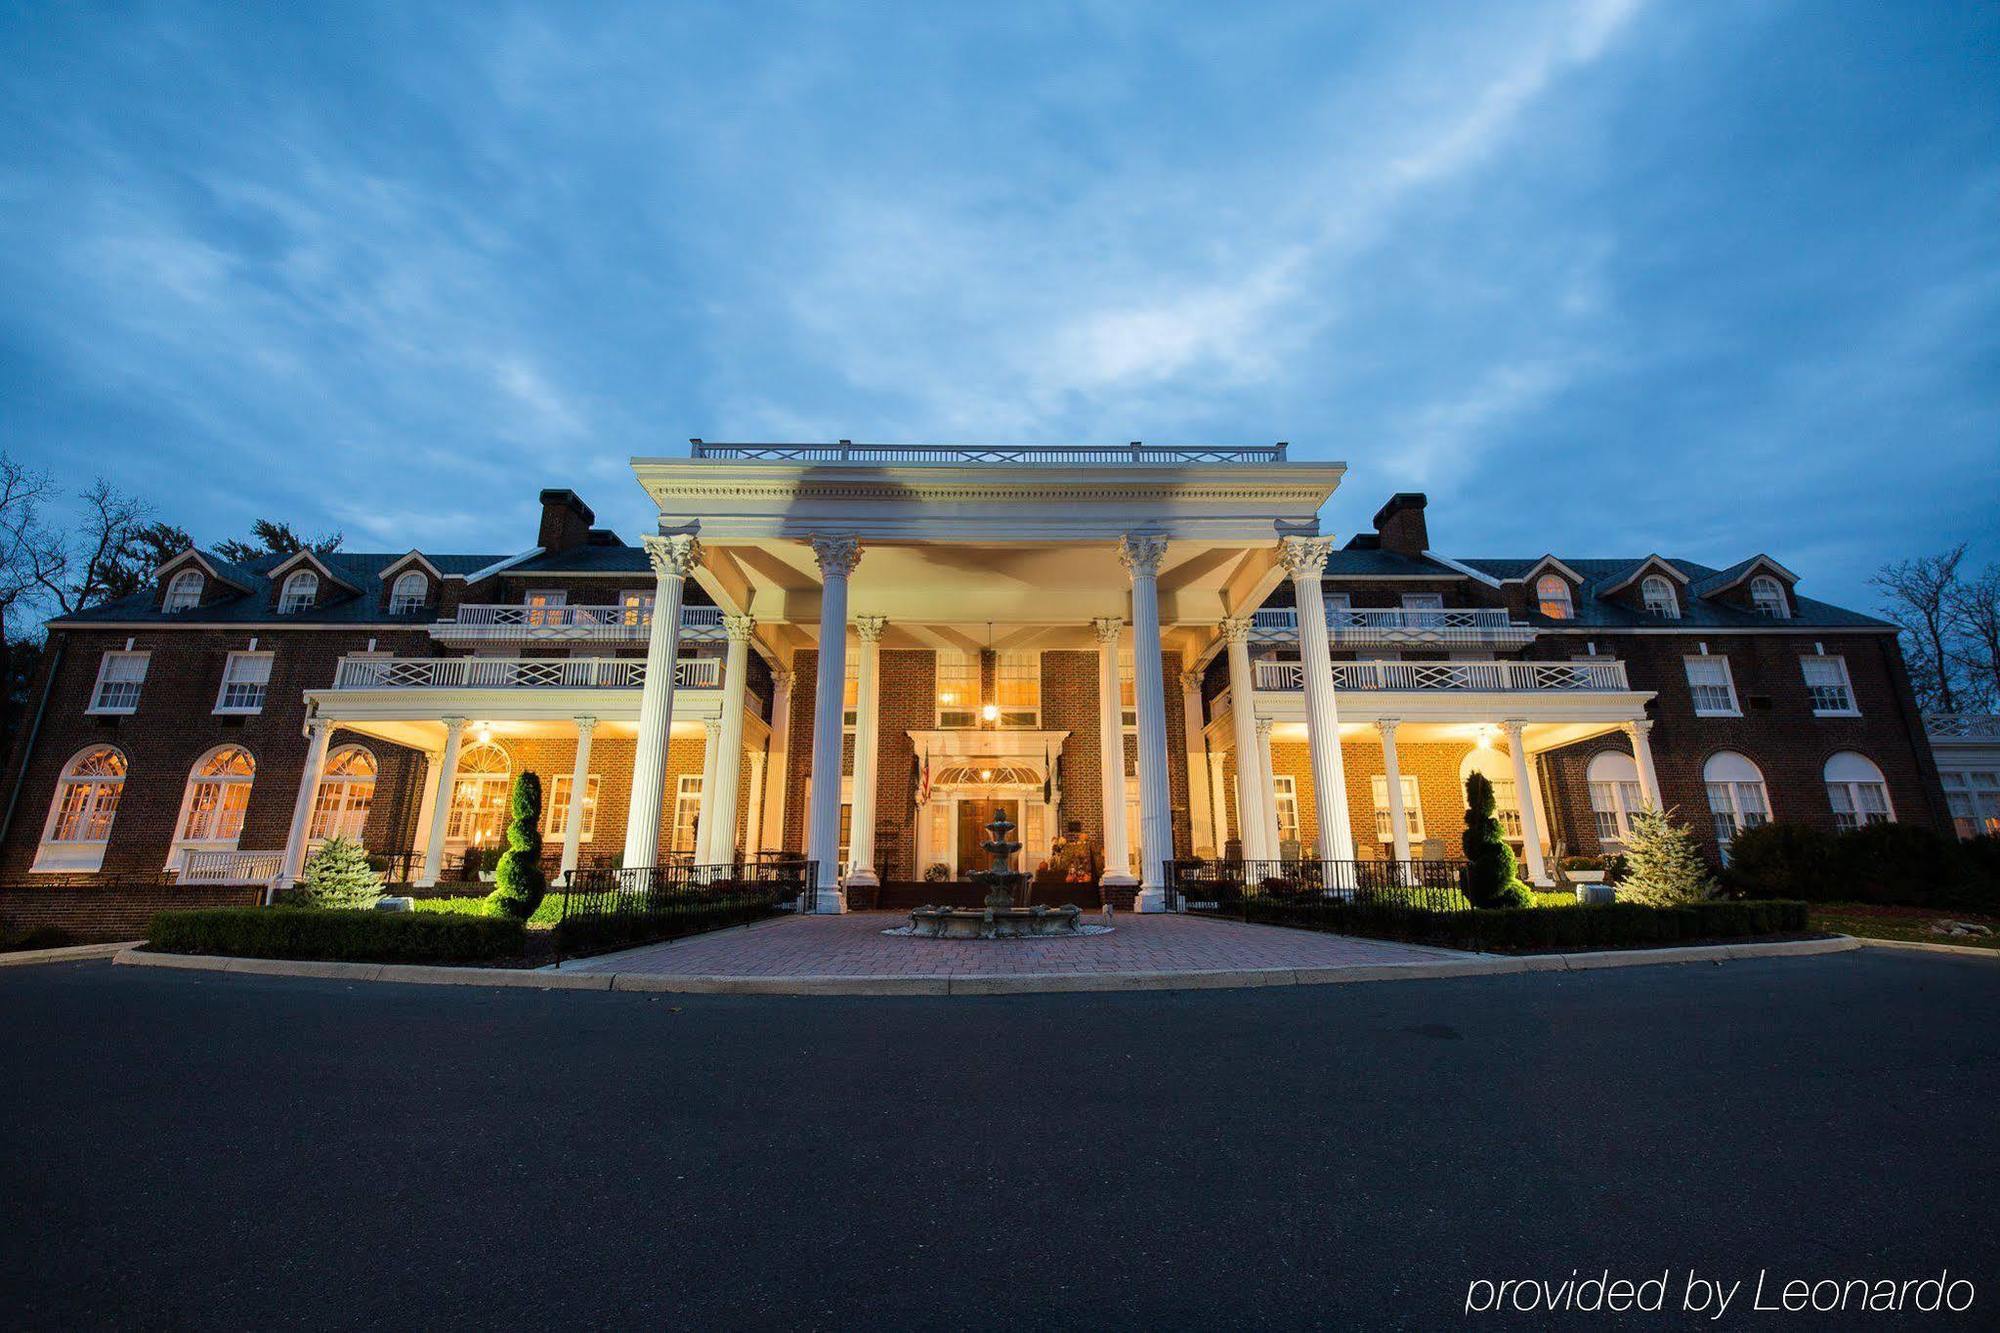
column 924, row 779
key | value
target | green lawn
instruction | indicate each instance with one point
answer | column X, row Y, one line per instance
column 1901, row 923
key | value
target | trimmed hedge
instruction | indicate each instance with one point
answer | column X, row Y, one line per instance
column 1903, row 865
column 597, row 934
column 1530, row 929
column 338, row 936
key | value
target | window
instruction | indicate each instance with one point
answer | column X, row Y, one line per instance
column 1826, row 680
column 558, row 817
column 120, row 678
column 1416, row 605
column 1498, row 769
column 1736, row 797
column 1285, row 788
column 1857, row 791
column 1552, row 597
column 346, row 791
column 217, row 795
column 479, row 796
column 1767, row 598
column 637, row 605
column 958, row 688
column 1017, row 682
column 1713, row 688
column 1658, row 594
column 543, row 606
column 1128, row 690
column 687, row 814
column 246, row 678
column 301, row 590
column 183, row 591
column 850, row 692
column 1413, row 808
column 1614, row 794
column 408, row 594
column 1974, row 800
column 87, row 797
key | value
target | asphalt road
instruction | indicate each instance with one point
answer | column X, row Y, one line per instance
column 194, row 1149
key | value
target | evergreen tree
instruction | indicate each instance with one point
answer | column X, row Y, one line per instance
column 1491, row 873
column 1663, row 867
column 518, row 880
column 338, row 875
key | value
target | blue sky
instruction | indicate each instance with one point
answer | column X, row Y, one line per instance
column 1600, row 277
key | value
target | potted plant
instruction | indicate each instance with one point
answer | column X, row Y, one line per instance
column 1586, row 875
column 937, row 872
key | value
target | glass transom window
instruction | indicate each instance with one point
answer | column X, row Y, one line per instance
column 1767, row 598
column 299, row 593
column 183, row 592
column 1658, row 594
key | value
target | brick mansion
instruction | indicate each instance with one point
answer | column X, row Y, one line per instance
column 858, row 653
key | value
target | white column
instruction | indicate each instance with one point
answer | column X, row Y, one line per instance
column 1305, row 558
column 1392, row 772
column 1524, row 791
column 1642, row 758
column 1111, row 756
column 317, row 732
column 837, row 558
column 867, row 727
column 579, row 791
column 1252, row 792
column 1267, row 787
column 753, row 821
column 1142, row 556
column 433, row 760
column 454, row 737
column 729, row 757
column 706, row 829
column 1201, row 824
column 672, row 558
column 1220, row 789
column 777, row 772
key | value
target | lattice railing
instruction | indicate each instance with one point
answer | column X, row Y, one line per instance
column 1491, row 677
column 846, row 451
column 510, row 621
column 516, row 673
column 1481, row 626
column 1963, row 726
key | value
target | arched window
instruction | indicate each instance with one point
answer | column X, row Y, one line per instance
column 479, row 796
column 300, row 591
column 407, row 596
column 1658, row 594
column 80, row 816
column 1552, row 597
column 1736, row 796
column 346, row 791
column 218, row 792
column 1767, row 598
column 1614, row 794
column 183, row 591
column 1857, row 791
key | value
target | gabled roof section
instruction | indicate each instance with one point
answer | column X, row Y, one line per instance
column 589, row 560
column 1655, row 563
column 306, row 555
column 1361, row 562
column 222, row 571
column 1740, row 573
column 1547, row 564
column 405, row 561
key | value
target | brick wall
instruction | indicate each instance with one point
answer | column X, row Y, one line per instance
column 108, row 913
column 1435, row 765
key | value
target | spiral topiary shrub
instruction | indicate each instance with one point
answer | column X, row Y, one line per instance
column 1492, row 877
column 518, row 881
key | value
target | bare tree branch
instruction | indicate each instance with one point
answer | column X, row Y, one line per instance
column 1921, row 593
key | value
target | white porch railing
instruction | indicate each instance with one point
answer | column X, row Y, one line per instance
column 510, row 622
column 1477, row 677
column 1472, row 626
column 517, row 673
column 230, row 867
column 846, row 451
column 1962, row 726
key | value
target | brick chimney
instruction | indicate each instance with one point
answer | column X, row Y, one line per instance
column 1400, row 524
column 566, row 521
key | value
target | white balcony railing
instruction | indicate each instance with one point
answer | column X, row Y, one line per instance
column 511, row 622
column 1480, row 626
column 1475, row 677
column 230, row 867
column 517, row 673
column 1962, row 726
column 846, row 451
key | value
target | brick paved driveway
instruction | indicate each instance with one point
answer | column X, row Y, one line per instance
column 854, row 946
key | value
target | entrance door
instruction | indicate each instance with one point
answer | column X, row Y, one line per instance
column 974, row 814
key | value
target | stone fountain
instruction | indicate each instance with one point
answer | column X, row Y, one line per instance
column 999, row 919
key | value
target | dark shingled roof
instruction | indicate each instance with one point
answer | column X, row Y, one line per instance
column 588, row 560
column 1696, row 613
column 1362, row 562
column 254, row 606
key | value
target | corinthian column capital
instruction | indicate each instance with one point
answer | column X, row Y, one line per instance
column 678, row 555
column 1305, row 557
column 870, row 627
column 837, row 554
column 1141, row 555
column 1235, row 629
column 1108, row 629
column 737, row 627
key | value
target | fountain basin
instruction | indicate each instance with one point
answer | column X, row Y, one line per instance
column 1009, row 923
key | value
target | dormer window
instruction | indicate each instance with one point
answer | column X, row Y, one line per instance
column 1552, row 597
column 407, row 595
column 301, row 590
column 1659, row 597
column 183, row 591
column 1767, row 598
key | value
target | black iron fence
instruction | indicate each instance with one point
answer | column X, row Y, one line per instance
column 1234, row 888
column 609, row 908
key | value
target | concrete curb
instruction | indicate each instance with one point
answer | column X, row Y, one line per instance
column 1470, row 965
column 69, row 953
column 1918, row 946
